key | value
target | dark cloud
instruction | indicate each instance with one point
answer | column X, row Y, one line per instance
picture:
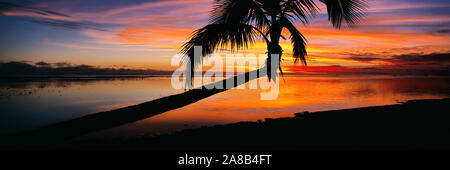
column 62, row 64
column 361, row 55
column 408, row 70
column 437, row 58
column 442, row 58
column 442, row 31
column 29, row 7
column 407, row 64
column 43, row 64
column 64, row 24
column 364, row 59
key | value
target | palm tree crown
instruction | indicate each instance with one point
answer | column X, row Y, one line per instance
column 236, row 24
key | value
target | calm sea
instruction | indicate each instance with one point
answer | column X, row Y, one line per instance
column 32, row 103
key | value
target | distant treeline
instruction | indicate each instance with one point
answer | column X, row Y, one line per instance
column 15, row 69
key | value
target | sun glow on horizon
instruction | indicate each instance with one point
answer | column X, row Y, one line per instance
column 401, row 34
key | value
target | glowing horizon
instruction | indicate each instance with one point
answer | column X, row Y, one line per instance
column 405, row 34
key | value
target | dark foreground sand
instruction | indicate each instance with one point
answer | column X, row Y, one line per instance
column 417, row 124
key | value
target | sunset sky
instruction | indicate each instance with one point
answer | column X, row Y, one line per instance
column 410, row 35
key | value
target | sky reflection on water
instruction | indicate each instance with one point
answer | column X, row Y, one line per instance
column 26, row 104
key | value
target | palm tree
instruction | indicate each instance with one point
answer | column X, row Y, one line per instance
column 238, row 23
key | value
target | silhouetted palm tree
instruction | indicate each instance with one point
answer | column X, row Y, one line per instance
column 237, row 23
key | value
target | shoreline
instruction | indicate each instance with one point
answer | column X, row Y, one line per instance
column 412, row 125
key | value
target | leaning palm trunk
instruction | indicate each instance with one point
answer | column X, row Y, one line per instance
column 238, row 80
column 59, row 132
column 234, row 23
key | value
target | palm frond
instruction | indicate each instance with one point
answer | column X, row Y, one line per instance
column 217, row 36
column 239, row 12
column 214, row 36
column 301, row 9
column 348, row 11
column 297, row 39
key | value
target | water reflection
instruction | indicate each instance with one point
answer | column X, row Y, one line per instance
column 26, row 103
column 297, row 94
column 30, row 103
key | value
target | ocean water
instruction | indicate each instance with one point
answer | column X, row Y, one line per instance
column 31, row 103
